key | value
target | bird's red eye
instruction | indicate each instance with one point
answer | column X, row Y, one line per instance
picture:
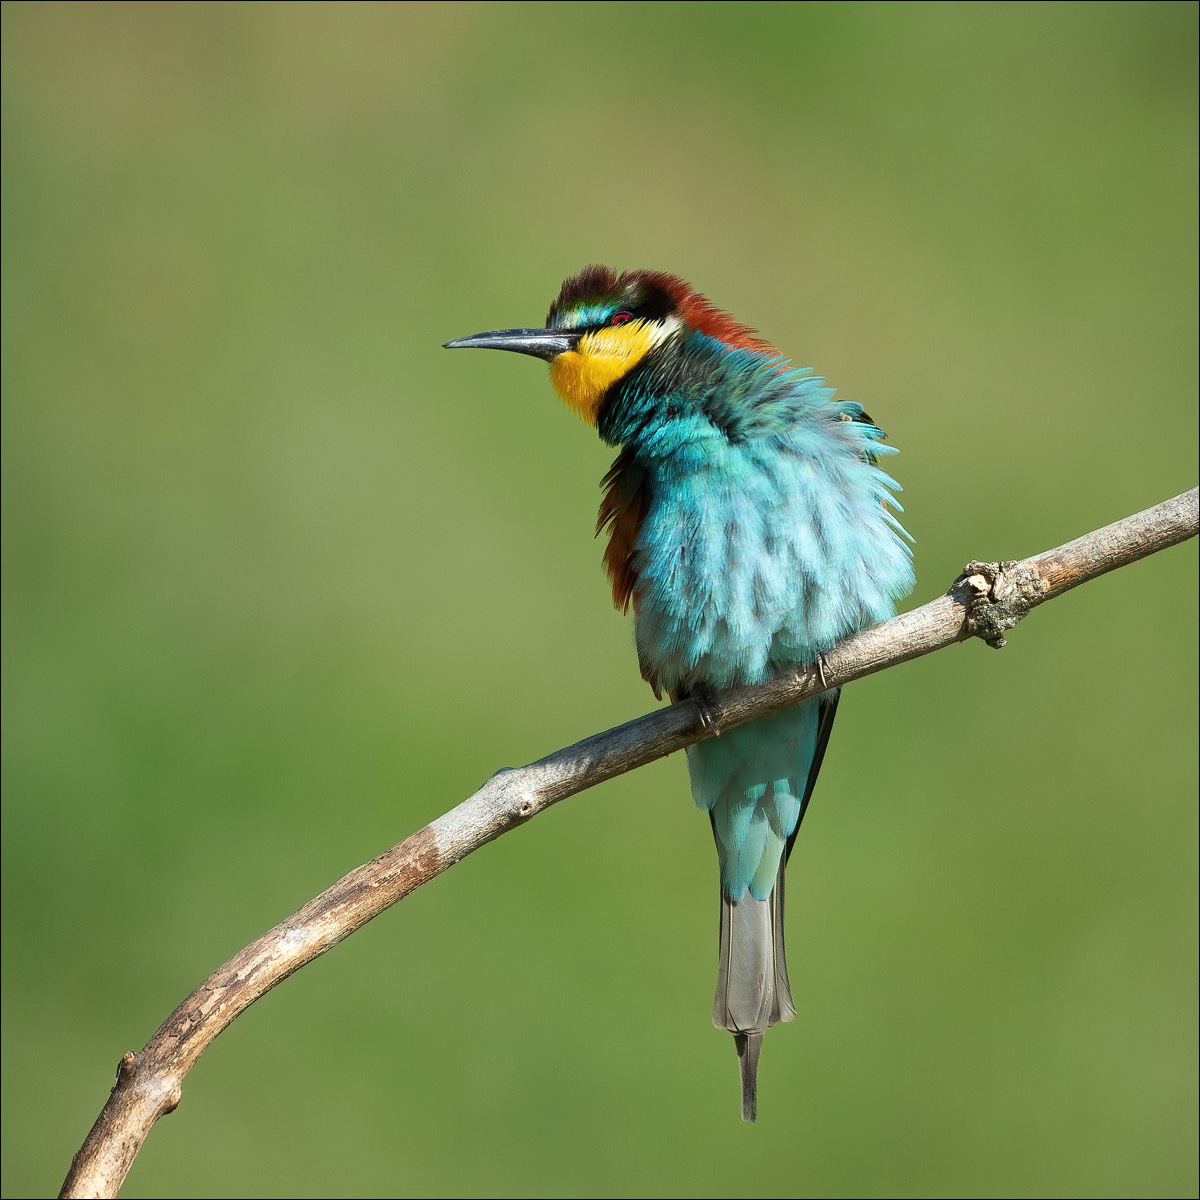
column 621, row 318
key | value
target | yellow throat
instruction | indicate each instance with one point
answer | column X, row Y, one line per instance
column 582, row 376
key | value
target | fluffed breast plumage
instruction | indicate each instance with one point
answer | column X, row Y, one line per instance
column 765, row 531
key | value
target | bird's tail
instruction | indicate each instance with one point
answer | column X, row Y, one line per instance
column 753, row 992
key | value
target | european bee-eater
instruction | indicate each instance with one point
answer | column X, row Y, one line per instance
column 749, row 528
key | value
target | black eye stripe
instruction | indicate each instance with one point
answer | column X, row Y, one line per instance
column 638, row 303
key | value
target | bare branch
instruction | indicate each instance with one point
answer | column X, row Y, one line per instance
column 985, row 601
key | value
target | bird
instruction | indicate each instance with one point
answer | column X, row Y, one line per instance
column 749, row 528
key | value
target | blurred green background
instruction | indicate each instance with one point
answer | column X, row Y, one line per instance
column 284, row 581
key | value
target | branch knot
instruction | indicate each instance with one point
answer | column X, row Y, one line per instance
column 996, row 596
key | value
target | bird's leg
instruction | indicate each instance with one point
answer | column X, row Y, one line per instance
column 704, row 702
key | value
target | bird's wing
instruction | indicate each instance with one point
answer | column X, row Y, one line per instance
column 826, row 711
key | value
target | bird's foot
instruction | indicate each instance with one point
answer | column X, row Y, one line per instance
column 703, row 699
column 820, row 665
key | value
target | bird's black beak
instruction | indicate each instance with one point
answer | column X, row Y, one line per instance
column 541, row 343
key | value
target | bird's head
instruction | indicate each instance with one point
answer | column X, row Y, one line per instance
column 603, row 325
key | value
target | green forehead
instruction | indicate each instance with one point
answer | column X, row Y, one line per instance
column 580, row 313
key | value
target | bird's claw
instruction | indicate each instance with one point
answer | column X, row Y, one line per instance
column 704, row 701
column 820, row 665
